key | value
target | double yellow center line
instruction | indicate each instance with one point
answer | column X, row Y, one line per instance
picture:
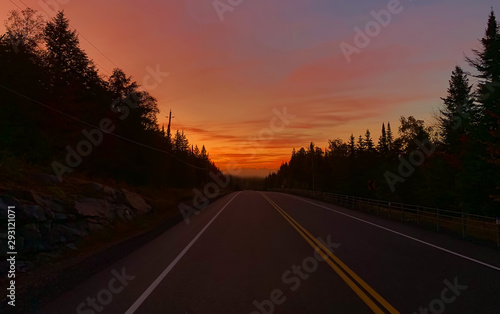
column 374, row 301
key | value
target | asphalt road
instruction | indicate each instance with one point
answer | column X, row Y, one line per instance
column 253, row 252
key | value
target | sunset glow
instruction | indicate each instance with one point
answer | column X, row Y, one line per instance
column 226, row 79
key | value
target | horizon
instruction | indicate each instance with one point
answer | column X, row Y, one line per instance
column 210, row 61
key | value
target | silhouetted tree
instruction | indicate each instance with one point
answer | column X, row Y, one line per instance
column 70, row 68
column 369, row 141
column 25, row 29
column 390, row 138
column 459, row 113
column 412, row 131
column 487, row 63
column 181, row 143
column 352, row 146
column 382, row 146
column 361, row 146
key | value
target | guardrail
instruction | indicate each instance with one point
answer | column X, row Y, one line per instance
column 464, row 224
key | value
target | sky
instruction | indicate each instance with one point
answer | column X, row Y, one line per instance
column 253, row 79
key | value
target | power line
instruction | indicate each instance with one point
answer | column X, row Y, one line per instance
column 116, row 66
column 100, row 66
column 23, row 3
column 96, row 127
column 15, row 4
column 86, row 40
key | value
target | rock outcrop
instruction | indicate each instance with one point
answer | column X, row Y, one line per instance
column 46, row 225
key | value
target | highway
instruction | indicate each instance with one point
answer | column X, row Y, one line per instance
column 267, row 252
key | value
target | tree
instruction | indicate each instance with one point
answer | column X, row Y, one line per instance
column 121, row 86
column 21, row 70
column 196, row 151
column 68, row 63
column 181, row 143
column 138, row 110
column 411, row 131
column 487, row 63
column 352, row 146
column 338, row 148
column 382, row 142
column 390, row 139
column 459, row 113
column 203, row 153
column 361, row 146
column 482, row 164
column 368, row 141
column 25, row 29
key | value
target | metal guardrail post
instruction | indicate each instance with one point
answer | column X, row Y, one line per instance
column 463, row 225
column 437, row 219
column 498, row 231
column 418, row 217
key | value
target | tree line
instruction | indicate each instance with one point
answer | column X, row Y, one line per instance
column 60, row 114
column 453, row 164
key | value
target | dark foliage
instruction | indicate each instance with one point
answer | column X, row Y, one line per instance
column 52, row 99
column 458, row 169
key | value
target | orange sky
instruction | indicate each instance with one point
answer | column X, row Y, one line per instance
column 226, row 77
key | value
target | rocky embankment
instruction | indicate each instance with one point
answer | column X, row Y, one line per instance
column 47, row 225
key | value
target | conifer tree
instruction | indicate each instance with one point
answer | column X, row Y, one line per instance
column 68, row 64
column 368, row 141
column 390, row 139
column 487, row 63
column 459, row 113
column 382, row 142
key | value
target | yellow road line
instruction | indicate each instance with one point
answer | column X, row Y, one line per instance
column 318, row 246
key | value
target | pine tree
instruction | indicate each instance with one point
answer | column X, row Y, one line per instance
column 484, row 176
column 203, row 153
column 487, row 63
column 382, row 142
column 368, row 141
column 68, row 63
column 459, row 113
column 361, row 146
column 352, row 147
column 390, row 139
column 181, row 143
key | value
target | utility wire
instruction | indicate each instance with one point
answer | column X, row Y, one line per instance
column 15, row 4
column 85, row 39
column 96, row 127
column 100, row 66
column 84, row 122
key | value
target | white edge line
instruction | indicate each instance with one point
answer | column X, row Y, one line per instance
column 157, row 281
column 401, row 234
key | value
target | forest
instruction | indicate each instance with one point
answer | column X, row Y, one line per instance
column 62, row 116
column 450, row 163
